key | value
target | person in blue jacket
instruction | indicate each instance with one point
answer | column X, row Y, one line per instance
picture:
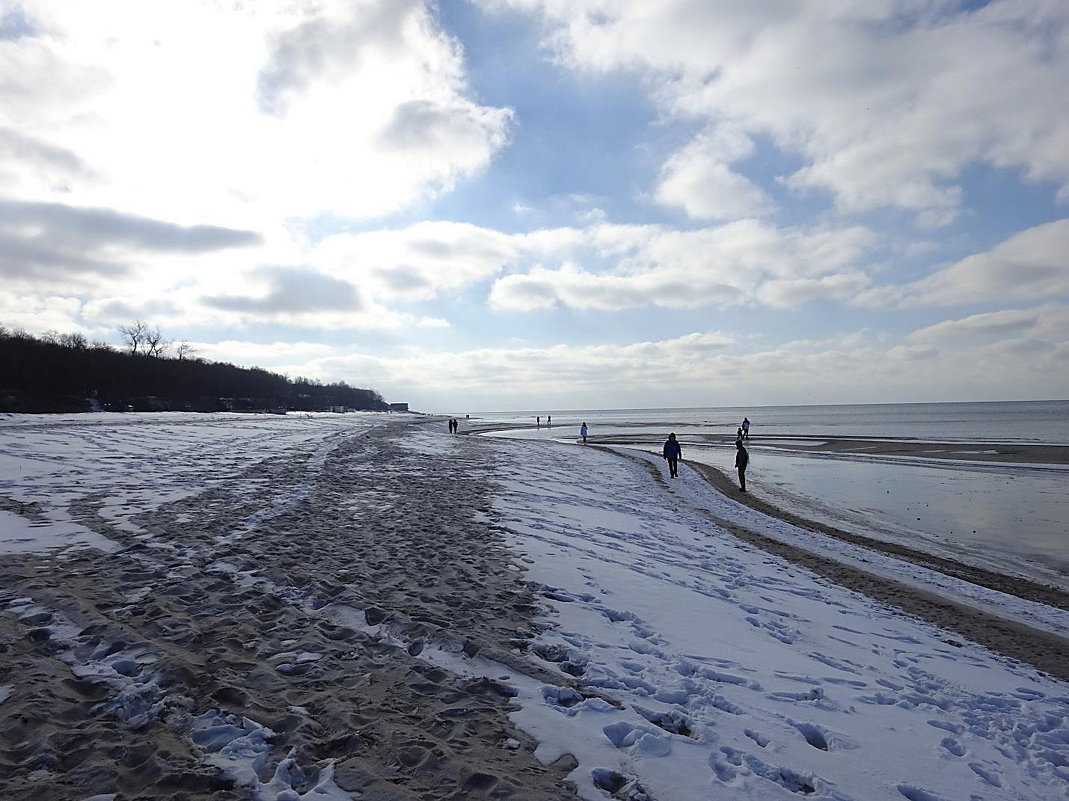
column 672, row 453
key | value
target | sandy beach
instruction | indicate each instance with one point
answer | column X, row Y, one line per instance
column 286, row 646
column 267, row 636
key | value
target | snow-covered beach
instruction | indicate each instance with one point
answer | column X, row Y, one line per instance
column 364, row 606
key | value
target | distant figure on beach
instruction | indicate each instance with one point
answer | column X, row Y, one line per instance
column 456, row 426
column 742, row 458
column 549, row 420
column 672, row 453
column 739, row 434
column 582, row 432
column 538, row 422
column 746, row 428
column 453, row 425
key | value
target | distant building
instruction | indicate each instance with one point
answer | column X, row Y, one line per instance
column 398, row 407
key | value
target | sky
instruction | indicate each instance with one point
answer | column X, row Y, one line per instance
column 551, row 204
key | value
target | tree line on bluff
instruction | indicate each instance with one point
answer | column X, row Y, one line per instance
column 66, row 373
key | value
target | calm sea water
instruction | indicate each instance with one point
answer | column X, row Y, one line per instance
column 1006, row 517
column 1006, row 421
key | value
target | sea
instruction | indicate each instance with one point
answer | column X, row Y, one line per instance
column 1009, row 517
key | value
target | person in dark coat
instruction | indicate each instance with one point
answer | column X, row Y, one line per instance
column 672, row 452
column 742, row 458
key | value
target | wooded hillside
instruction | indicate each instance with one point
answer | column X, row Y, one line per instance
column 65, row 373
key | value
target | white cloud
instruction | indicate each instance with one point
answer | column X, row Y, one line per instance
column 155, row 157
column 699, row 179
column 237, row 114
column 793, row 292
column 1049, row 322
column 710, row 368
column 506, row 375
column 418, row 262
column 910, row 353
column 741, row 262
column 56, row 244
column 1030, row 265
column 39, row 313
column 885, row 102
column 269, row 355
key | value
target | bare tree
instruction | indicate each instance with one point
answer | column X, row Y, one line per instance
column 75, row 341
column 134, row 335
column 183, row 350
column 155, row 344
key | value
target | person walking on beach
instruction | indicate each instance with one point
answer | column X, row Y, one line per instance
column 672, row 453
column 742, row 458
column 549, row 421
column 746, row 428
column 582, row 432
column 538, row 422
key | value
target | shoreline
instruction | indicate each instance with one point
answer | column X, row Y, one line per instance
column 1011, row 585
column 1041, row 649
column 1024, row 454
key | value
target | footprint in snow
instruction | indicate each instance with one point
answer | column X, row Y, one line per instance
column 570, row 702
column 952, row 747
column 735, row 763
column 616, row 784
column 672, row 721
column 815, row 694
column 913, row 793
column 953, row 728
column 822, row 738
column 761, row 739
column 989, row 775
column 639, row 740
